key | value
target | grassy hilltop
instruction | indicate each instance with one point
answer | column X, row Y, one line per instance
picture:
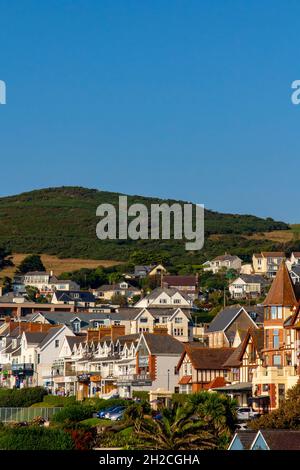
column 62, row 222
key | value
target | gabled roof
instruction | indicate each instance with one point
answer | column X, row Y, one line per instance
column 205, row 358
column 245, row 437
column 223, row 319
column 71, row 296
column 257, row 335
column 282, row 289
column 35, row 337
column 51, row 334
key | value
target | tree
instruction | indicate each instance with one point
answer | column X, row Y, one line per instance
column 218, row 411
column 178, row 429
column 6, row 284
column 32, row 293
column 118, row 299
column 4, row 258
column 31, row 263
column 287, row 416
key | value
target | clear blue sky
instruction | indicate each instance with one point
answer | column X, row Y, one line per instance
column 185, row 99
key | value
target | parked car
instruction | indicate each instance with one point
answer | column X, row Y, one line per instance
column 117, row 415
column 117, row 409
column 241, row 427
column 102, row 413
column 245, row 413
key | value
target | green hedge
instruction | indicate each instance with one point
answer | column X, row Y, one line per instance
column 21, row 397
column 35, row 438
column 98, row 404
column 55, row 400
column 142, row 395
column 73, row 413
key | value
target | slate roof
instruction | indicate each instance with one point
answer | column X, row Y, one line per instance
column 70, row 296
column 50, row 334
column 251, row 279
column 35, row 337
column 163, row 344
column 223, row 318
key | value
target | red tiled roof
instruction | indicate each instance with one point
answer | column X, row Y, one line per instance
column 282, row 289
column 216, row 383
column 206, row 358
column 186, row 379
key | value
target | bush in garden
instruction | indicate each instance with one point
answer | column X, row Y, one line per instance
column 99, row 404
column 73, row 413
column 21, row 397
column 35, row 438
column 59, row 401
column 142, row 395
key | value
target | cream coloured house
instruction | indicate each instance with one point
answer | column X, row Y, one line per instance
column 267, row 262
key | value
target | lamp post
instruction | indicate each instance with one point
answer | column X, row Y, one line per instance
column 168, row 379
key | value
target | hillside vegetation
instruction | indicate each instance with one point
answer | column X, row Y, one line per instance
column 62, row 222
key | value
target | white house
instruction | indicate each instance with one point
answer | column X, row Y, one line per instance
column 246, row 286
column 223, row 262
column 165, row 297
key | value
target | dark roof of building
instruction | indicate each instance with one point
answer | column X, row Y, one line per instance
column 252, row 279
column 71, row 340
column 174, row 281
column 281, row 439
column 206, row 358
column 223, row 318
column 257, row 335
column 296, row 269
column 246, row 437
column 71, row 296
column 50, row 334
column 282, row 289
column 256, row 312
column 163, row 344
column 35, row 337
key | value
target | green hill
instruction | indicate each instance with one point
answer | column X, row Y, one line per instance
column 62, row 221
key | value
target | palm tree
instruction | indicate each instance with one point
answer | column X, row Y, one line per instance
column 179, row 429
column 217, row 411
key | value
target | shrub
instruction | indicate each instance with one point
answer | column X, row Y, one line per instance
column 35, row 438
column 98, row 404
column 179, row 398
column 73, row 413
column 21, row 397
column 55, row 400
column 142, row 395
